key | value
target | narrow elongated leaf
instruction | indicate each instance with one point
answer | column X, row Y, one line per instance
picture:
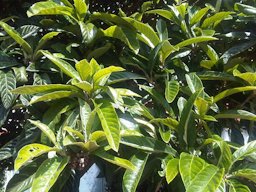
column 249, row 174
column 51, row 96
column 7, row 83
column 48, row 8
column 17, row 37
column 198, row 15
column 162, row 30
column 33, row 89
column 99, row 76
column 85, row 112
column 46, row 130
column 215, row 19
column 89, row 146
column 63, row 65
column 246, row 9
column 123, row 76
column 114, row 160
column 147, row 144
column 232, row 91
column 199, row 176
column 131, row 178
column 171, row 90
column 244, row 151
column 29, row 152
column 172, row 169
column 20, row 74
column 110, row 124
column 6, row 61
column 242, row 114
column 88, row 31
column 45, row 38
column 194, row 40
column 48, row 173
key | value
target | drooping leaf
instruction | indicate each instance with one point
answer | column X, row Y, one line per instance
column 215, row 75
column 215, row 19
column 110, row 124
column 131, row 178
column 172, row 169
column 244, row 151
column 29, row 152
column 197, row 175
column 6, row 61
column 194, row 40
column 7, row 83
column 242, row 114
column 48, row 173
column 246, row 9
column 171, row 90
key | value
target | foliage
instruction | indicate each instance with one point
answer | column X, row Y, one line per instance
column 146, row 92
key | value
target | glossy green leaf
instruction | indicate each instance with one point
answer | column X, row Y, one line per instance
column 29, row 152
column 197, row 175
column 169, row 122
column 110, row 124
column 215, row 75
column 74, row 132
column 172, row 169
column 46, row 38
column 46, row 130
column 48, row 8
column 235, row 186
column 198, row 15
column 131, row 178
column 249, row 174
column 114, row 160
column 194, row 82
column 242, row 114
column 51, row 96
column 215, row 19
column 194, row 40
column 232, row 91
column 48, row 173
column 84, row 69
column 100, row 76
column 84, row 85
column 85, row 112
column 162, row 30
column 246, row 9
column 7, row 83
column 126, row 92
column 123, row 76
column 81, row 8
column 171, row 90
column 20, row 74
column 250, row 77
column 17, row 37
column 148, row 144
column 63, row 65
column 244, row 151
column 88, row 31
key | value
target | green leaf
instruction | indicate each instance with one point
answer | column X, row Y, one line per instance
column 244, row 151
column 29, row 152
column 194, row 82
column 249, row 174
column 7, row 83
column 148, row 144
column 17, row 37
column 63, row 65
column 20, row 74
column 199, row 176
column 84, row 69
column 215, row 19
column 250, row 77
column 88, row 31
column 235, row 186
column 242, row 114
column 48, row 8
column 198, row 15
column 45, row 38
column 162, row 30
column 51, row 96
column 246, row 9
column 46, row 130
column 123, row 76
column 131, row 178
column 89, row 146
column 74, row 132
column 114, row 160
column 85, row 112
column 172, row 169
column 171, row 90
column 169, row 122
column 81, row 8
column 194, row 40
column 34, row 89
column 6, row 61
column 85, row 86
column 215, row 75
column 185, row 120
column 48, row 173
column 99, row 78
column 110, row 124
column 232, row 91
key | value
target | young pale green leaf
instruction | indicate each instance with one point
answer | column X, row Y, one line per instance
column 147, row 144
column 100, row 76
column 29, row 152
column 74, row 132
column 85, row 112
column 126, row 92
column 63, row 65
column 48, row 173
column 246, row 9
column 51, row 96
column 194, row 40
column 198, row 16
column 84, row 85
column 194, row 82
column 84, row 69
column 114, row 160
column 17, row 37
column 7, row 83
column 171, row 90
column 246, row 150
column 250, row 77
column 249, row 174
column 91, row 119
column 242, row 114
column 45, row 38
column 232, row 91
column 235, row 186
column 169, row 122
column 131, row 178
column 199, row 176
column 215, row 19
column 81, row 8
column 46, row 130
column 172, row 169
column 110, row 124
column 49, row 8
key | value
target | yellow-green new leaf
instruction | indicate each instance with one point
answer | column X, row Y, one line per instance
column 172, row 169
column 29, row 152
column 48, row 173
column 51, row 96
column 171, row 90
column 81, row 8
column 194, row 40
column 84, row 69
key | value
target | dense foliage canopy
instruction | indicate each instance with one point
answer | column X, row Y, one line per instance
column 142, row 88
